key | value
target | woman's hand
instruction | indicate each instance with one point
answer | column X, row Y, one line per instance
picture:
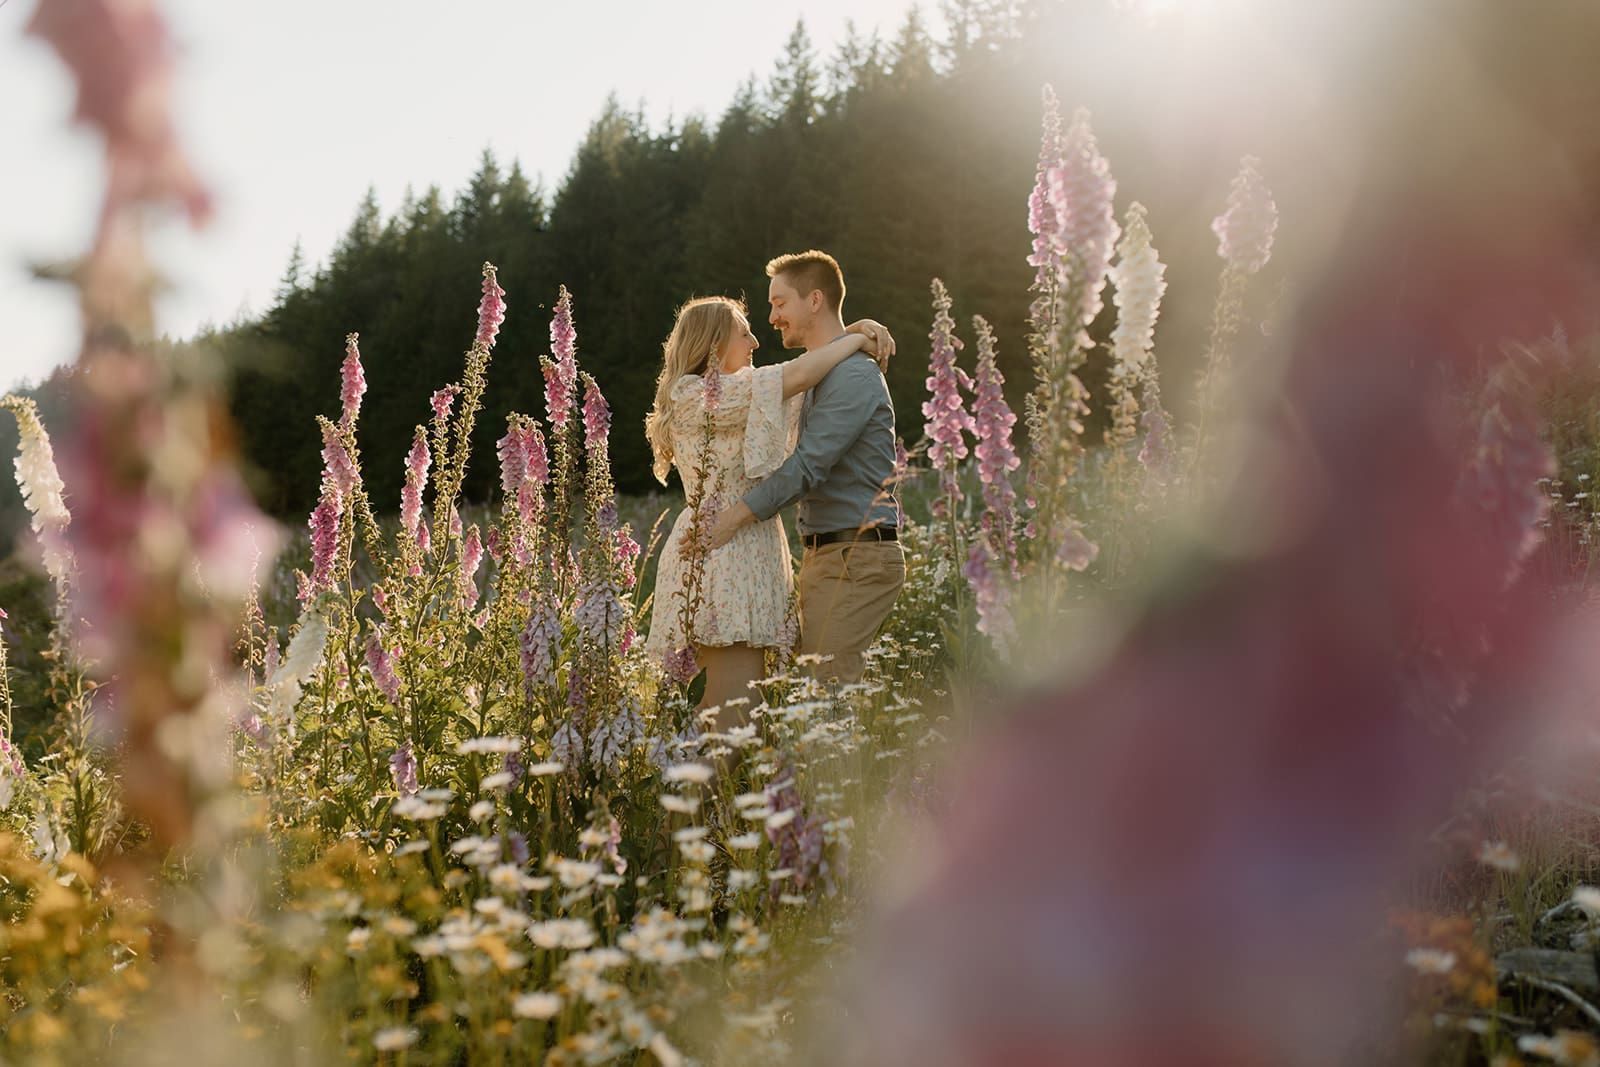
column 879, row 341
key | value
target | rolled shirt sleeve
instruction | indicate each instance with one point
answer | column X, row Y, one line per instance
column 841, row 405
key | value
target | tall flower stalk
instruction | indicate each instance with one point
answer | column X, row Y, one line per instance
column 560, row 395
column 1070, row 216
column 1138, row 278
column 992, row 420
column 1244, row 242
column 43, row 493
column 949, row 423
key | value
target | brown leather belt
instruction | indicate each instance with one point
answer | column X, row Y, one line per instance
column 871, row 533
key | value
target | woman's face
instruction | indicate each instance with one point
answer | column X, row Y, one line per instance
column 737, row 350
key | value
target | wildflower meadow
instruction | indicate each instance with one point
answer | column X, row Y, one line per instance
column 1253, row 729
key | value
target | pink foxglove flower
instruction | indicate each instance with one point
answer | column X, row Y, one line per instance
column 491, row 310
column 1042, row 222
column 324, row 524
column 540, row 648
column 1244, row 232
column 992, row 422
column 441, row 402
column 625, row 554
column 417, row 463
column 566, row 744
column 948, row 420
column 1081, row 192
column 381, row 663
column 596, row 415
column 681, row 666
column 536, row 458
column 991, row 593
column 513, row 458
column 613, row 738
column 564, row 340
column 122, row 56
column 1139, row 281
column 471, row 559
column 711, row 386
column 403, row 768
column 600, row 615
column 43, row 492
column 557, row 395
column 338, row 465
column 352, row 384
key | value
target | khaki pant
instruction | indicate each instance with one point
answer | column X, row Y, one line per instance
column 846, row 591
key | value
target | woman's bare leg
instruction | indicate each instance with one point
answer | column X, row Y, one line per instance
column 729, row 671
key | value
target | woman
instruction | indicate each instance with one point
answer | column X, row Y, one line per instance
column 723, row 446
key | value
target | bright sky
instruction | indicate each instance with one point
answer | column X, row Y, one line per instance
column 291, row 109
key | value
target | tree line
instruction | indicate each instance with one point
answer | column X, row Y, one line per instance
column 907, row 156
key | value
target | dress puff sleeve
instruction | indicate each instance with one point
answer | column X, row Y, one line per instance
column 749, row 400
column 773, row 424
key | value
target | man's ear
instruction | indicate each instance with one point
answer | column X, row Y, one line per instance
column 814, row 301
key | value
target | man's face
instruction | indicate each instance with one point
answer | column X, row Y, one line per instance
column 790, row 313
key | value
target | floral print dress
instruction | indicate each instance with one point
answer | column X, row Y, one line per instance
column 745, row 585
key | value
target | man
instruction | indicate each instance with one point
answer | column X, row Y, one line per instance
column 841, row 473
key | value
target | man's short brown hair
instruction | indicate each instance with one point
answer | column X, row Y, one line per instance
column 811, row 270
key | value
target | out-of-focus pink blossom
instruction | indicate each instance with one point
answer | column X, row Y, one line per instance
column 352, row 384
column 491, row 310
column 121, row 55
column 1244, row 231
column 1074, row 550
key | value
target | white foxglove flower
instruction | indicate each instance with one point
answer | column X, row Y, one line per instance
column 43, row 492
column 1138, row 277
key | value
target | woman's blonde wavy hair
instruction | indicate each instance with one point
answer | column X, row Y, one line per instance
column 703, row 326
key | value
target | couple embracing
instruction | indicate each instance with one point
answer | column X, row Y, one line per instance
column 817, row 430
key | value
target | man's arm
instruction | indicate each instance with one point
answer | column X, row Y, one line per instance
column 841, row 406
